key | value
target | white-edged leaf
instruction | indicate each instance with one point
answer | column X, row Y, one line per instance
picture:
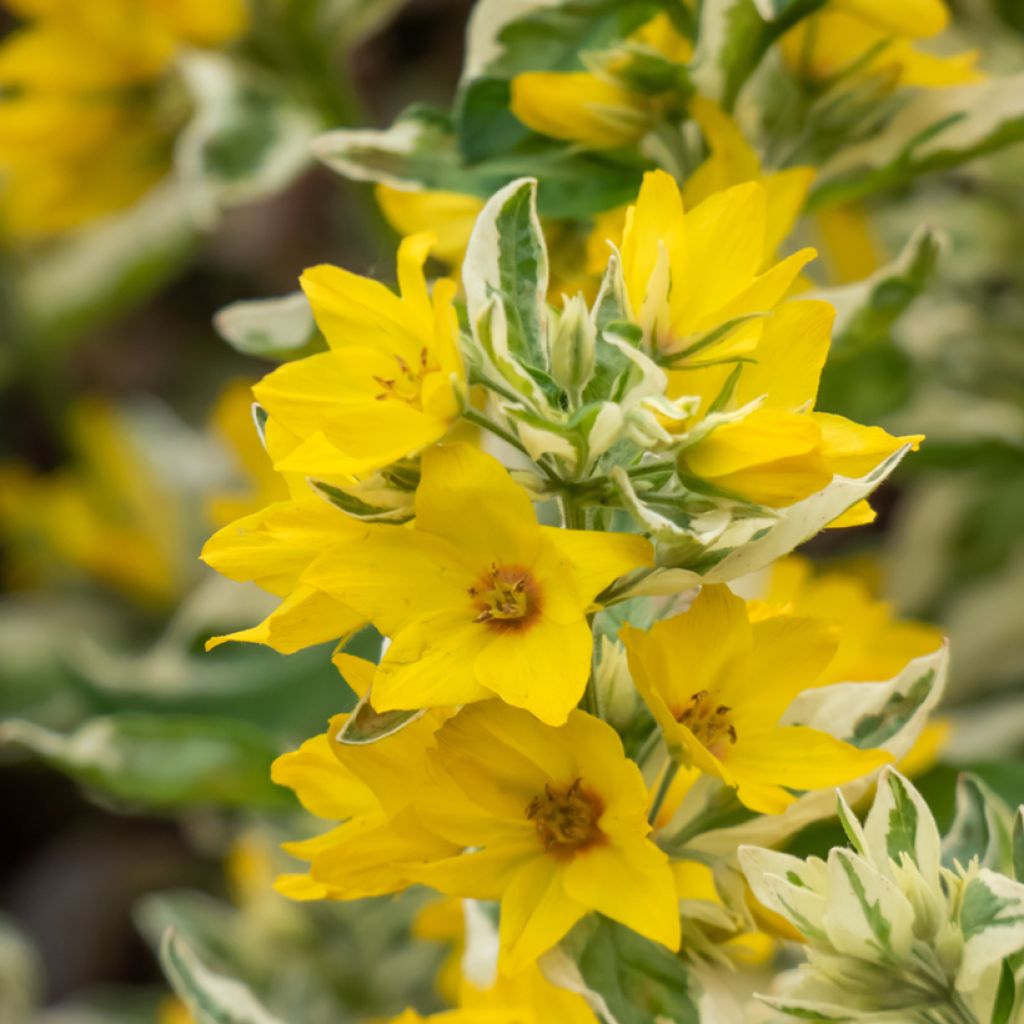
column 901, row 823
column 274, row 328
column 247, row 138
column 796, row 524
column 211, row 997
column 867, row 916
column 992, row 922
column 507, row 258
column 937, row 128
column 981, row 828
column 794, row 888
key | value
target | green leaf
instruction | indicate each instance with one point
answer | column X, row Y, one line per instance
column 279, row 328
column 866, row 310
column 639, row 981
column 247, row 138
column 1006, row 996
column 981, row 828
column 420, row 151
column 507, row 258
column 551, row 37
column 365, row 725
column 936, row 129
column 160, row 761
column 1018, row 844
column 211, row 997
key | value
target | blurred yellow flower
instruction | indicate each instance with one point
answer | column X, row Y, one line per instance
column 873, row 644
column 173, row 1011
column 392, row 380
column 552, row 821
column 719, row 708
column 721, row 325
column 231, row 422
column 106, row 516
column 369, row 789
column 87, row 118
column 601, row 108
column 478, row 599
column 875, row 38
column 450, row 215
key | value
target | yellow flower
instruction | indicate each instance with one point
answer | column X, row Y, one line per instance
column 477, row 598
column 232, row 424
column 731, row 161
column 873, row 645
column 689, row 275
column 719, row 707
column 450, row 215
column 391, row 381
column 875, row 38
column 173, row 1011
column 86, row 123
column 689, row 272
column 552, row 819
column 529, row 994
column 369, row 788
column 598, row 109
column 106, row 516
column 273, row 548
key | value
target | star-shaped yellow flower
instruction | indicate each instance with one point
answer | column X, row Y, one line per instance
column 478, row 599
column 391, row 381
column 718, row 685
column 369, row 790
column 553, row 822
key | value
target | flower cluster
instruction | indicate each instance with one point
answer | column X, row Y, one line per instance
column 494, row 483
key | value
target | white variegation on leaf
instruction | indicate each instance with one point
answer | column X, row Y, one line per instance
column 890, row 933
column 267, row 328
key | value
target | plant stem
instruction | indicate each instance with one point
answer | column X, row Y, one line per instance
column 663, row 787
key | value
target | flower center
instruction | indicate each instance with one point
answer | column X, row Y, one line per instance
column 566, row 818
column 407, row 382
column 709, row 722
column 506, row 597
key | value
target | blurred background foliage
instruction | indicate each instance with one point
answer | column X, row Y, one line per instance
column 134, row 770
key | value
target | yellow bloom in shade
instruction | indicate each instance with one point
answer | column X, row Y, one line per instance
column 875, row 38
column 873, row 645
column 86, row 123
column 450, row 215
column 528, row 994
column 477, row 598
column 390, row 383
column 273, row 548
column 719, row 708
column 597, row 109
column 232, row 423
column 369, row 788
column 106, row 516
column 552, row 819
column 173, row 1011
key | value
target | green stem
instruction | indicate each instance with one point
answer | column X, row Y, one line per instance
column 649, row 746
column 663, row 787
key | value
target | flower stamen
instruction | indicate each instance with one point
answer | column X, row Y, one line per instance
column 566, row 819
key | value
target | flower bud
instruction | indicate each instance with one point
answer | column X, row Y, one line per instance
column 572, row 347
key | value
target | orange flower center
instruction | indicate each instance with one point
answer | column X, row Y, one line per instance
column 407, row 382
column 709, row 722
column 506, row 598
column 566, row 818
